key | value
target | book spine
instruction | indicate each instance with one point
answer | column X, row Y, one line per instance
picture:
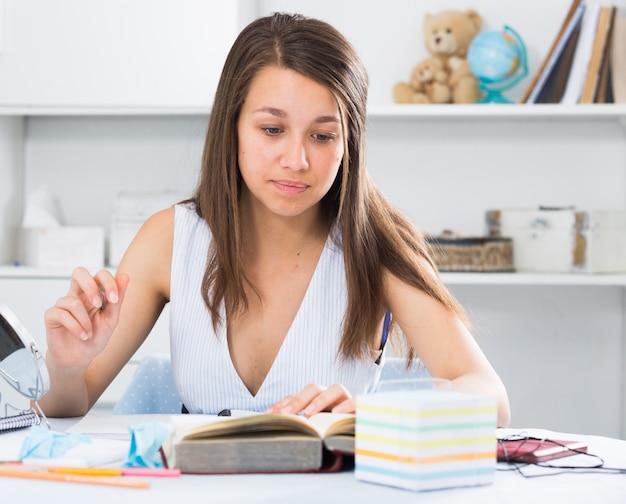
column 597, row 55
column 556, row 54
column 21, row 421
column 618, row 57
column 582, row 57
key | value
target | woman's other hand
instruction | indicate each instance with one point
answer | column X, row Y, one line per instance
column 315, row 398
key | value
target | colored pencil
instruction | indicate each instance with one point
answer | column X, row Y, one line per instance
column 157, row 472
column 73, row 478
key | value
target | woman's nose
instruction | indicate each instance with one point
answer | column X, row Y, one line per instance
column 294, row 155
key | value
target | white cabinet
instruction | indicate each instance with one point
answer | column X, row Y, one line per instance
column 114, row 53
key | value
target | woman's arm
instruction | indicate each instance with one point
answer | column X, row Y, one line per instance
column 88, row 345
column 439, row 338
column 444, row 344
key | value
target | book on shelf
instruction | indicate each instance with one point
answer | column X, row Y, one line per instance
column 582, row 57
column 565, row 32
column 554, row 88
column 599, row 54
column 618, row 57
column 604, row 91
column 262, row 443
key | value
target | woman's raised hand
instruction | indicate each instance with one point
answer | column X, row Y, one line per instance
column 80, row 324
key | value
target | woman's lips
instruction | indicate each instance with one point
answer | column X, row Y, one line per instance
column 290, row 187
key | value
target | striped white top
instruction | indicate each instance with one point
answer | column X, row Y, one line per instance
column 205, row 377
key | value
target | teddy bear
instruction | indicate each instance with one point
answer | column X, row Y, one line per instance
column 447, row 36
column 428, row 84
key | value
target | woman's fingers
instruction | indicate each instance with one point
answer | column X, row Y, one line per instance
column 111, row 288
column 92, row 304
column 85, row 286
column 71, row 314
column 315, row 398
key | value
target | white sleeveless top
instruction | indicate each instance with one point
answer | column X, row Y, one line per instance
column 203, row 372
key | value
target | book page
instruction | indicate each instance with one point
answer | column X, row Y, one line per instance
column 333, row 424
column 320, row 425
column 222, row 426
column 104, row 425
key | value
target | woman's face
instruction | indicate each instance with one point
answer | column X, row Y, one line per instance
column 290, row 142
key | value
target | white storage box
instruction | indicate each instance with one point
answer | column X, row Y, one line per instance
column 563, row 240
column 61, row 247
column 130, row 211
column 425, row 439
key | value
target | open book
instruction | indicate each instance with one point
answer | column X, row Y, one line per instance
column 262, row 443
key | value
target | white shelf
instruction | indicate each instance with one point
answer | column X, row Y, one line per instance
column 535, row 279
column 34, row 273
column 35, row 110
column 492, row 111
column 409, row 112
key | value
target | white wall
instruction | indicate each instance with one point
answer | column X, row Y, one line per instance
column 558, row 349
column 85, row 161
column 11, row 186
column 445, row 174
column 388, row 35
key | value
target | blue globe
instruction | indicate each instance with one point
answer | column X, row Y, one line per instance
column 498, row 60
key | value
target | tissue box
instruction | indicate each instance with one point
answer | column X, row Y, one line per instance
column 61, row 247
column 563, row 240
column 425, row 439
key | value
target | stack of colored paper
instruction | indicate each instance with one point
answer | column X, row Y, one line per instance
column 425, row 439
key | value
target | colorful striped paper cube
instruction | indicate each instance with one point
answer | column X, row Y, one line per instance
column 425, row 439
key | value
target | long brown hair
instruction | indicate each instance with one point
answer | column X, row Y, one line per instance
column 374, row 235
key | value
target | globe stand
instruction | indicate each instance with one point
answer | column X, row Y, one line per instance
column 493, row 95
column 492, row 88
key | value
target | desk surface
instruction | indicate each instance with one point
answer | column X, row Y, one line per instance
column 509, row 487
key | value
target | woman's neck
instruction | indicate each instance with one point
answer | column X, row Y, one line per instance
column 265, row 232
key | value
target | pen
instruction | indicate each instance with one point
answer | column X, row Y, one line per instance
column 74, row 478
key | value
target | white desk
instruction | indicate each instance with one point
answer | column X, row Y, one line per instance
column 509, row 487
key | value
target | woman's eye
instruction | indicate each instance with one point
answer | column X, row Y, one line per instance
column 272, row 131
column 321, row 137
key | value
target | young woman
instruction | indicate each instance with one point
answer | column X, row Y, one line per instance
column 285, row 268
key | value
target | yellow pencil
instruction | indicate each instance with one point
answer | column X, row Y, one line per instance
column 156, row 472
column 74, row 478
column 87, row 471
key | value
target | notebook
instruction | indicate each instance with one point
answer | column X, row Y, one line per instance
column 19, row 421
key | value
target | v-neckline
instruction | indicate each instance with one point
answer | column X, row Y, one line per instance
column 223, row 335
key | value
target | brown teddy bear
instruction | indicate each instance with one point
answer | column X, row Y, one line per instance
column 447, row 36
column 428, row 84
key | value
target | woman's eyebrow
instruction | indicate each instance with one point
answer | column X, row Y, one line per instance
column 271, row 110
column 326, row 119
column 281, row 113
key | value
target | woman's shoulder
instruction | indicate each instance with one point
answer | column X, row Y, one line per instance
column 160, row 220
